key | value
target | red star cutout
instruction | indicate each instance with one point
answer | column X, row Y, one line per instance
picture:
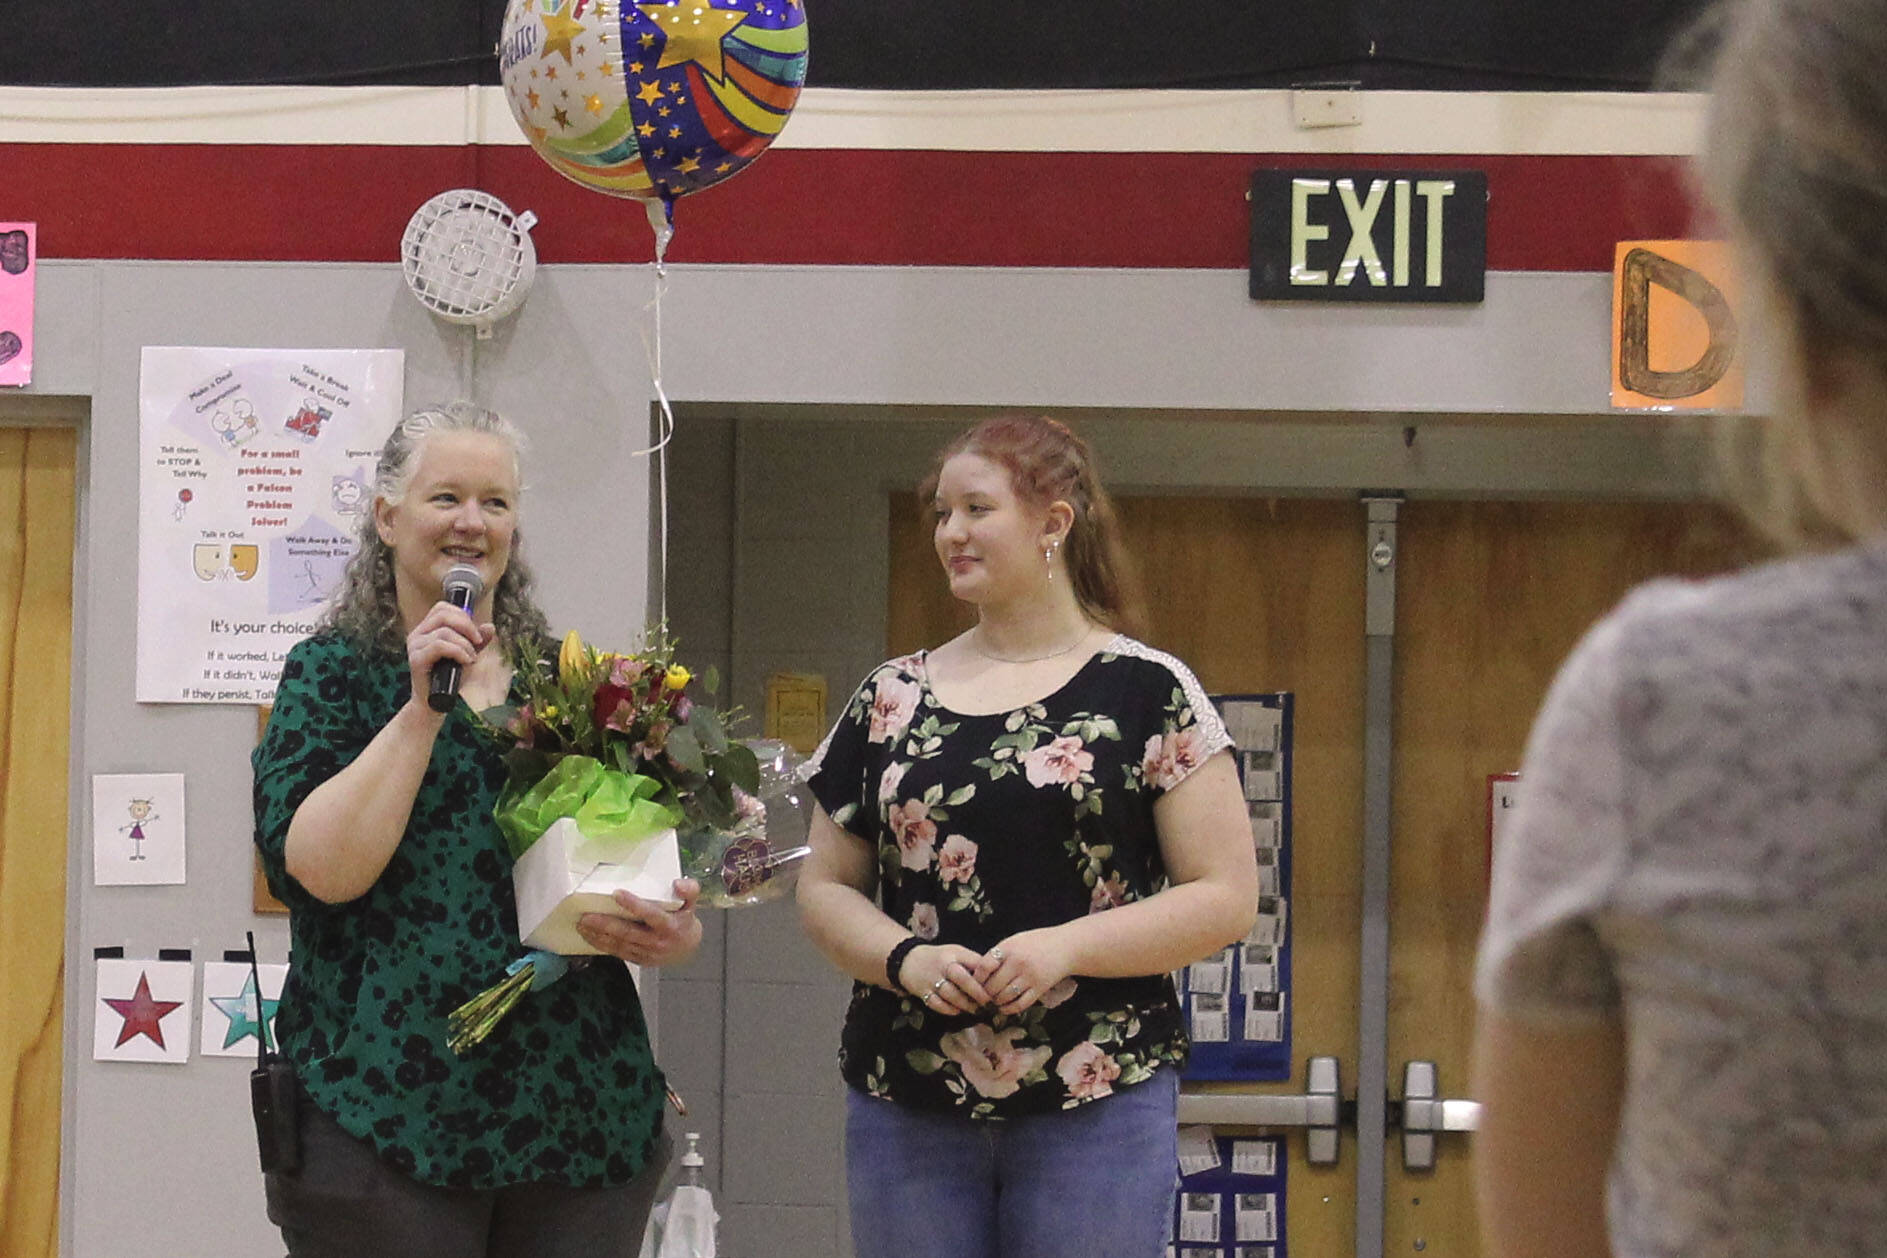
column 141, row 1014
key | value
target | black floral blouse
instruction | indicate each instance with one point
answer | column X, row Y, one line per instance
column 565, row 1090
column 990, row 825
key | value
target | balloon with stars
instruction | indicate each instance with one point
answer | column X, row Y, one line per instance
column 652, row 101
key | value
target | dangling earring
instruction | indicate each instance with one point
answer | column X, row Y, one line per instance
column 1048, row 560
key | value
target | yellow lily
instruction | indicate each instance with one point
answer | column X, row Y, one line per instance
column 573, row 656
column 677, row 677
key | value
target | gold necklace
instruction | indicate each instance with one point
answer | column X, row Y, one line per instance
column 1028, row 659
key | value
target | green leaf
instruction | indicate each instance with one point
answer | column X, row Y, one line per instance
column 934, row 795
column 707, row 727
column 685, row 750
column 923, row 1061
column 962, row 795
column 742, row 767
column 1017, row 720
column 711, row 682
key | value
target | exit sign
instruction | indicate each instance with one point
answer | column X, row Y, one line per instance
column 1369, row 235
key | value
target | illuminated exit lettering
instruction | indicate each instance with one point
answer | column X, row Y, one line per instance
column 1375, row 236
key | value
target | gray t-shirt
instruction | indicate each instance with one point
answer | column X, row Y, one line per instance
column 1700, row 849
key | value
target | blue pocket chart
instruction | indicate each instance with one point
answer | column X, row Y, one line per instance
column 1237, row 1004
column 1230, row 1202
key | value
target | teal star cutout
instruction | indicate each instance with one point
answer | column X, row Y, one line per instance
column 241, row 1012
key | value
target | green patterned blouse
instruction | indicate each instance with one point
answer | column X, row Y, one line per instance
column 565, row 1090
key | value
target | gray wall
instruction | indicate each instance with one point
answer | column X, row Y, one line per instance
column 808, row 392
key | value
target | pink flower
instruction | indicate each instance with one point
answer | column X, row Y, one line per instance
column 894, row 700
column 889, row 780
column 915, row 832
column 1169, row 760
column 1057, row 994
column 1087, row 1071
column 624, row 670
column 1108, row 893
column 1057, row 763
column 924, row 921
column 957, row 861
column 992, row 1063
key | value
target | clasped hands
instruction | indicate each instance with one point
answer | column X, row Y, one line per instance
column 647, row 932
column 1015, row 974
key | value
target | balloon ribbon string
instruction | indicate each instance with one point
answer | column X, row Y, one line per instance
column 662, row 219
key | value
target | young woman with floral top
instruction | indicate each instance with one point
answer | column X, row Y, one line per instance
column 1021, row 834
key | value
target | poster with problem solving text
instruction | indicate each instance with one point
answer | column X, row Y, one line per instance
column 255, row 472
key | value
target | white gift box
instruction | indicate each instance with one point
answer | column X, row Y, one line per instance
column 564, row 875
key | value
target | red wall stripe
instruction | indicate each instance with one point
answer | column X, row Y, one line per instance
column 827, row 207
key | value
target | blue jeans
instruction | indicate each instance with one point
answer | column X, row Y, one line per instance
column 1092, row 1182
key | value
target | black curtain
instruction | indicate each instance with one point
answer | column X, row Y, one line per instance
column 933, row 44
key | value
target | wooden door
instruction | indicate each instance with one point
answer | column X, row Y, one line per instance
column 1254, row 594
column 37, row 470
column 1490, row 598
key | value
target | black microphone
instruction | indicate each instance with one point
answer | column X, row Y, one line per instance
column 463, row 585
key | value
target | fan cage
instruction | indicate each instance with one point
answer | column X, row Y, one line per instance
column 467, row 256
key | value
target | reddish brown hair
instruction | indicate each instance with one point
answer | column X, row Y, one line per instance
column 1048, row 463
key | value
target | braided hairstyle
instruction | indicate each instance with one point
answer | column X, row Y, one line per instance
column 1047, row 463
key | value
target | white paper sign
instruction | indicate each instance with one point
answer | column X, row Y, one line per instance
column 233, row 1017
column 137, row 828
column 1198, row 1151
column 143, row 1011
column 255, row 469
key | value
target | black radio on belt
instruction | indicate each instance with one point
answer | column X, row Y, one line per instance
column 272, row 1092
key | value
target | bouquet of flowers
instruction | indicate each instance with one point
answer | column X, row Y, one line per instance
column 619, row 779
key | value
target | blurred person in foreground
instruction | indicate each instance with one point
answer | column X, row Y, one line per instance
column 1683, row 977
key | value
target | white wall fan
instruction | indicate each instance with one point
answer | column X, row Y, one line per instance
column 468, row 258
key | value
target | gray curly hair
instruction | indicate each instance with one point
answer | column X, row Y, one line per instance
column 367, row 608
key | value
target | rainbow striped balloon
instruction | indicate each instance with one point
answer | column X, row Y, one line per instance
column 652, row 101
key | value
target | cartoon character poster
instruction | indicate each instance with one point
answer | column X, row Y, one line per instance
column 137, row 828
column 253, row 484
column 19, row 248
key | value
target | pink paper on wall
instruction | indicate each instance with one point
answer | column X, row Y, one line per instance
column 19, row 253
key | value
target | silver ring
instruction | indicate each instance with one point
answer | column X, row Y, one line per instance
column 995, row 954
column 937, row 986
column 1014, row 987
